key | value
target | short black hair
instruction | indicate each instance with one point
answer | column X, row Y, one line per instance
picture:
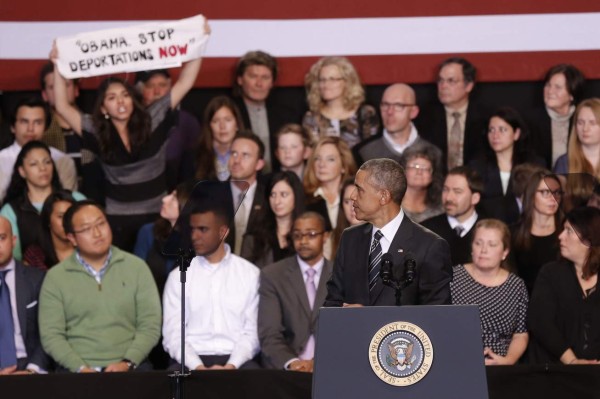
column 574, row 79
column 76, row 207
column 32, row 102
column 469, row 71
column 474, row 179
column 253, row 58
column 144, row 76
column 248, row 134
column 47, row 69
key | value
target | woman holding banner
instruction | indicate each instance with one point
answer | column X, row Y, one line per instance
column 130, row 143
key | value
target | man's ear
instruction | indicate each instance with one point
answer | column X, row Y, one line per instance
column 71, row 238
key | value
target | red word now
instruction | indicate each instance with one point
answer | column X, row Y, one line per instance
column 172, row 51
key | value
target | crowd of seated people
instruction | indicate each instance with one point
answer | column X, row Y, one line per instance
column 523, row 239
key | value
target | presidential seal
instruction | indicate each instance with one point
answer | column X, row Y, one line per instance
column 401, row 353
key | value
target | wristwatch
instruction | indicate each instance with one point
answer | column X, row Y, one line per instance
column 130, row 365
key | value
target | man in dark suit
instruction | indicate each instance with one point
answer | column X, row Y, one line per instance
column 21, row 352
column 356, row 281
column 456, row 124
column 255, row 76
column 461, row 193
column 286, row 316
column 248, row 192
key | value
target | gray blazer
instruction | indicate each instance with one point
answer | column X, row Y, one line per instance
column 285, row 320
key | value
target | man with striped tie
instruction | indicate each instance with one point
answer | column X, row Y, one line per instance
column 380, row 185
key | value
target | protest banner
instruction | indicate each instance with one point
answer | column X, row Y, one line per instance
column 136, row 48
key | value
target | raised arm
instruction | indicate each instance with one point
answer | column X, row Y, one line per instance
column 187, row 78
column 70, row 113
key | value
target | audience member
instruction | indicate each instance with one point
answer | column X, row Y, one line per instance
column 54, row 245
column 270, row 241
column 293, row 148
column 329, row 164
column 583, row 155
column 255, row 76
column 61, row 136
column 33, row 179
column 379, row 187
column 424, row 178
column 500, row 295
column 506, row 147
column 130, row 143
column 291, row 293
column 248, row 192
column 20, row 347
column 222, row 301
column 222, row 121
column 551, row 124
column 336, row 105
column 347, row 210
column 398, row 109
column 183, row 136
column 565, row 304
column 455, row 124
column 99, row 308
column 460, row 195
column 28, row 122
column 535, row 237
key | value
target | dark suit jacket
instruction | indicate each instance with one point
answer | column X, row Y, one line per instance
column 431, row 285
column 285, row 320
column 257, row 214
column 460, row 247
column 431, row 124
column 28, row 282
column 277, row 116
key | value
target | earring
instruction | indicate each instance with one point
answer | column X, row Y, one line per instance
column 106, row 116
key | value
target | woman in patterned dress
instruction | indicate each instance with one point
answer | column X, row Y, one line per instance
column 501, row 295
column 335, row 99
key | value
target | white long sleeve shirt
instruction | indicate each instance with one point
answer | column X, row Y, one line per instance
column 221, row 303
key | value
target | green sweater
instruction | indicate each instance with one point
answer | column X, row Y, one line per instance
column 83, row 323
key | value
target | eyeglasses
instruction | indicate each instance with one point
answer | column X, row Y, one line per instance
column 330, row 80
column 450, row 81
column 101, row 225
column 397, row 107
column 546, row 193
column 311, row 235
column 417, row 168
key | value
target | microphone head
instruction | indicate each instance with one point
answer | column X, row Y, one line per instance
column 387, row 257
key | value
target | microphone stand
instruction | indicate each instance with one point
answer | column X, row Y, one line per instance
column 178, row 377
column 399, row 284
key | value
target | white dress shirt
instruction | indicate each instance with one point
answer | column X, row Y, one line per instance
column 389, row 232
column 221, row 311
column 467, row 225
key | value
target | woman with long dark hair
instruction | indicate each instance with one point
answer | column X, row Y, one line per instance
column 34, row 178
column 535, row 237
column 130, row 142
column 271, row 240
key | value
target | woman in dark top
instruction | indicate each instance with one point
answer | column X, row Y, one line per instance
column 564, row 312
column 54, row 245
column 535, row 237
column 271, row 241
column 130, row 142
column 507, row 141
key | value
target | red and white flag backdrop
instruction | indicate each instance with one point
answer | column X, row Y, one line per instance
column 387, row 40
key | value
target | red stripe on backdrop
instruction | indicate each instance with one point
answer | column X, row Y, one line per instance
column 374, row 70
column 114, row 10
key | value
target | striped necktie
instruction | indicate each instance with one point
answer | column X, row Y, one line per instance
column 375, row 260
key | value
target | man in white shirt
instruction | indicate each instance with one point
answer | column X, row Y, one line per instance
column 28, row 122
column 221, row 299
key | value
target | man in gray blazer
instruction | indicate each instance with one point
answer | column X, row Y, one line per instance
column 291, row 293
column 19, row 293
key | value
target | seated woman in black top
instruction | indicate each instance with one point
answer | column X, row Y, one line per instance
column 271, row 240
column 507, row 141
column 564, row 312
column 535, row 237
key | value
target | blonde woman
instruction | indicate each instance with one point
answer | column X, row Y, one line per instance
column 335, row 99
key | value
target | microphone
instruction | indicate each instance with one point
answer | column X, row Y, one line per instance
column 410, row 266
column 386, row 268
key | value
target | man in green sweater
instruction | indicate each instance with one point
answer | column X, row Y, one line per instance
column 99, row 308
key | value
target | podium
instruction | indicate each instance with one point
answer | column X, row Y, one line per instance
column 424, row 352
